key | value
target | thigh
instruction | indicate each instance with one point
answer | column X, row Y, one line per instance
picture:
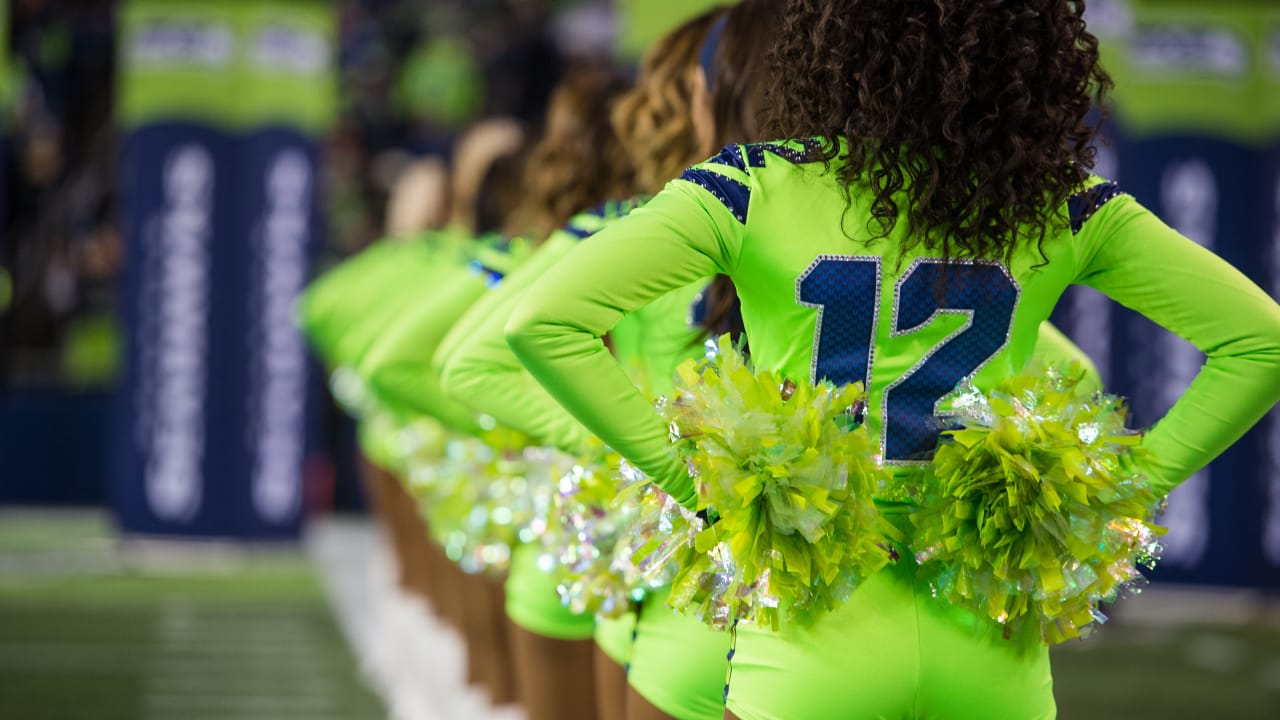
column 971, row 671
column 678, row 664
column 554, row 678
column 639, row 708
column 859, row 662
column 533, row 603
column 611, row 686
column 488, row 642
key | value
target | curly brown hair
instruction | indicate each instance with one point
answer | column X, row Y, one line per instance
column 578, row 162
column 655, row 119
column 968, row 117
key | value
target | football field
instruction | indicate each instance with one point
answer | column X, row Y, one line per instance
column 94, row 628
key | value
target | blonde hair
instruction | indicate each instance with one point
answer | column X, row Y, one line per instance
column 419, row 198
column 655, row 119
column 476, row 151
column 579, row 162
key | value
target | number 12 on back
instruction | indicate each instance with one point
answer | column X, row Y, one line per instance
column 845, row 289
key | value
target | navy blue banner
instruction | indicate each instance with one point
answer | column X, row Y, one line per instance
column 178, row 182
column 214, row 405
column 1269, row 467
column 273, row 242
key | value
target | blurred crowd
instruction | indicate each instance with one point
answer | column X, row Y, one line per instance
column 411, row 75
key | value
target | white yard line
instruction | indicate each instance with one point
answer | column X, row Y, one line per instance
column 409, row 658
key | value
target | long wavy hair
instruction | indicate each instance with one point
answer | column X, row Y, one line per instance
column 740, row 75
column 655, row 119
column 965, row 117
column 578, row 162
column 739, row 79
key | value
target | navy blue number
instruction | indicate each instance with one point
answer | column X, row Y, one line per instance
column 846, row 290
column 982, row 291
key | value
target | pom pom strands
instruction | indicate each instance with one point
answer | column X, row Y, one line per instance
column 1034, row 512
column 603, row 528
column 791, row 478
column 488, row 494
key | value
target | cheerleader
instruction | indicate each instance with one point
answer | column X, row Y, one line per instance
column 575, row 164
column 677, row 665
column 343, row 311
column 654, row 120
column 923, row 210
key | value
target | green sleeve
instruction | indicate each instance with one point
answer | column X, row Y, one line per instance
column 1127, row 253
column 1055, row 347
column 491, row 258
column 681, row 236
column 478, row 369
column 663, row 338
column 398, row 366
column 336, row 300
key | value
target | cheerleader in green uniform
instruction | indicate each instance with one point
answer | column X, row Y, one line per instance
column 656, row 126
column 575, row 164
column 925, row 206
column 344, row 310
column 667, row 120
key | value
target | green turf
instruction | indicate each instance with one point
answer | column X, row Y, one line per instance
column 216, row 635
column 1199, row 672
column 248, row 636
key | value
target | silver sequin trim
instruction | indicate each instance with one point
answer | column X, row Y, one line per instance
column 896, row 332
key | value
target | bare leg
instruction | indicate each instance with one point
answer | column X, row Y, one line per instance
column 413, row 539
column 554, row 677
column 382, row 486
column 452, row 590
column 728, row 715
column 611, row 687
column 640, row 709
column 488, row 648
column 500, row 659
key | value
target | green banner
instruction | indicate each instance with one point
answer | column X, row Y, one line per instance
column 1269, row 89
column 288, row 63
column 8, row 76
column 641, row 22
column 235, row 64
column 1184, row 66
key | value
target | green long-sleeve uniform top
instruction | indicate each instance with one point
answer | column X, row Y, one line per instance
column 478, row 369
column 397, row 367
column 342, row 311
column 822, row 298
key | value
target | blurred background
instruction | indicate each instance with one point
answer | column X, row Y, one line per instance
column 181, row 529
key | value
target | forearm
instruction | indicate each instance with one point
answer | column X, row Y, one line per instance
column 1190, row 291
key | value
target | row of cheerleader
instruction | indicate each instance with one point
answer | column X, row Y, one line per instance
column 733, row 393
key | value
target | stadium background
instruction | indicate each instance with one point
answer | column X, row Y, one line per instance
column 172, row 173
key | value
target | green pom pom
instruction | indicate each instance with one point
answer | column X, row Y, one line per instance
column 791, row 477
column 487, row 495
column 1034, row 511
column 583, row 541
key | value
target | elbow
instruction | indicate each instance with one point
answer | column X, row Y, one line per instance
column 525, row 333
column 540, row 341
column 460, row 374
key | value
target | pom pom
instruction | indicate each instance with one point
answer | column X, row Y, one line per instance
column 418, row 446
column 488, row 494
column 791, row 474
column 350, row 391
column 1035, row 512
column 600, row 529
